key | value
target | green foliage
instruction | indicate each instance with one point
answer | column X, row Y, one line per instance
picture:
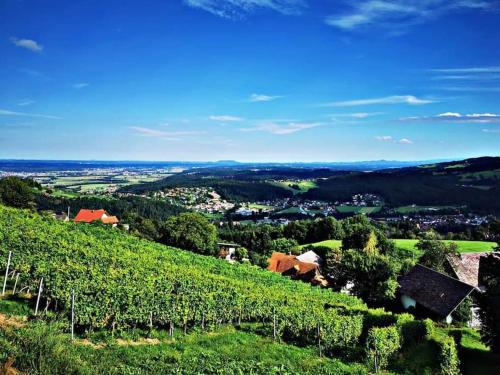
column 283, row 245
column 489, row 301
column 240, row 253
column 190, row 231
column 463, row 313
column 373, row 275
column 448, row 357
column 120, row 280
column 381, row 345
column 435, row 253
column 17, row 192
column 411, row 331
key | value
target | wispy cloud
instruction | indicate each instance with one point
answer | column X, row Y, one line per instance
column 27, row 44
column 6, row 112
column 356, row 115
column 398, row 14
column 490, row 130
column 238, row 8
column 405, row 141
column 383, row 138
column 456, row 117
column 26, row 102
column 166, row 135
column 480, row 69
column 81, row 85
column 264, row 98
column 277, row 128
column 469, row 88
column 225, row 118
column 394, row 99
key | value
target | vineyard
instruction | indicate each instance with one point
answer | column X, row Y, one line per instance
column 121, row 282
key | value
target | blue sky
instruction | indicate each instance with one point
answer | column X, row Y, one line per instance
column 250, row 80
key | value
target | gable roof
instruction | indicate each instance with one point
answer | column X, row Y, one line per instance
column 280, row 262
column 466, row 267
column 435, row 291
column 88, row 216
column 309, row 257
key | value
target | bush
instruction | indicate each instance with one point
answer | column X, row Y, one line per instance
column 429, row 327
column 412, row 331
column 449, row 363
column 381, row 344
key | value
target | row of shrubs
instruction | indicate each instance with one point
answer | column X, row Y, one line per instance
column 382, row 343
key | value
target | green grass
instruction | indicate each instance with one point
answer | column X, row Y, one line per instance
column 332, row 244
column 415, row 209
column 463, row 246
column 304, row 185
column 256, row 206
column 358, row 210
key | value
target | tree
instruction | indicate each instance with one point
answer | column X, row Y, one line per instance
column 489, row 300
column 297, row 230
column 436, row 253
column 17, row 192
column 325, row 229
column 190, row 231
column 373, row 275
column 283, row 245
column 240, row 253
column 331, row 265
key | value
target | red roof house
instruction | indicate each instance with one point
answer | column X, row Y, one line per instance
column 88, row 216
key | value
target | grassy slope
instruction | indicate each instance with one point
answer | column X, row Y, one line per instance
column 463, row 246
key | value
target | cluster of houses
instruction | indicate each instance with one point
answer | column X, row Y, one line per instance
column 200, row 199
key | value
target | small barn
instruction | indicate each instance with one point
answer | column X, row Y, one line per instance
column 435, row 292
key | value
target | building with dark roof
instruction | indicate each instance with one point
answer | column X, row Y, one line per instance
column 436, row 292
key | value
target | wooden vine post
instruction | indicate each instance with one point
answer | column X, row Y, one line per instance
column 6, row 273
column 318, row 329
column 15, row 284
column 72, row 314
column 40, row 289
column 274, row 323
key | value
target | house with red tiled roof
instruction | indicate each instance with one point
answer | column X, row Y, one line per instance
column 290, row 265
column 88, row 216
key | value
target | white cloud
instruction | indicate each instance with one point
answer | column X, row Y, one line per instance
column 237, row 8
column 281, row 129
column 26, row 102
column 398, row 14
column 405, row 141
column 480, row 69
column 225, row 118
column 490, row 130
column 469, row 88
column 81, row 85
column 394, row 99
column 7, row 112
column 166, row 135
column 27, row 44
column 383, row 138
column 263, row 98
column 456, row 117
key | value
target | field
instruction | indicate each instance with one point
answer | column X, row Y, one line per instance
column 463, row 246
column 356, row 210
column 411, row 209
column 296, row 187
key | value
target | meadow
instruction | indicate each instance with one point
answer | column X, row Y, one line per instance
column 463, row 246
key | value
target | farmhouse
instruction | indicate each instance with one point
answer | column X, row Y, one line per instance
column 433, row 293
column 88, row 216
column 300, row 269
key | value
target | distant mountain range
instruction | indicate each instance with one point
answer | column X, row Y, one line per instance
column 18, row 165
